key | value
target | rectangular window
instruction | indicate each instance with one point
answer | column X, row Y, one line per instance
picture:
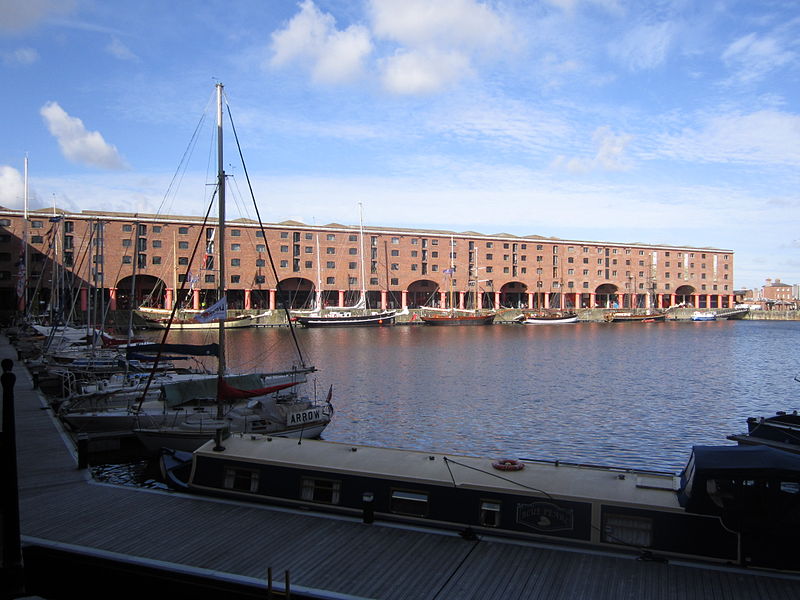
column 236, row 247
column 260, row 262
column 243, row 480
column 183, row 230
column 156, row 243
column 235, row 278
column 410, row 503
column 209, row 279
column 490, row 513
column 183, row 245
column 235, row 262
column 330, row 280
column 627, row 530
column 330, row 265
column 236, row 232
column 260, row 279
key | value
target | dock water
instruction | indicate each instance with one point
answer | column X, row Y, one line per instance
column 83, row 537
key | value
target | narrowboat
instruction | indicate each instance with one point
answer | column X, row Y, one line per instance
column 736, row 505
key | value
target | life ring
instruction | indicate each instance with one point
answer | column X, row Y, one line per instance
column 508, row 464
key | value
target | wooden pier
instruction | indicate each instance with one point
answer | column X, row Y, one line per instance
column 83, row 537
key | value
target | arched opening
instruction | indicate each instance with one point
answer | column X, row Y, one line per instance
column 296, row 292
column 684, row 295
column 607, row 296
column 149, row 291
column 514, row 294
column 423, row 293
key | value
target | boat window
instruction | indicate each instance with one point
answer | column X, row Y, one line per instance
column 409, row 503
column 628, row 530
column 490, row 513
column 321, row 490
column 244, row 480
column 790, row 487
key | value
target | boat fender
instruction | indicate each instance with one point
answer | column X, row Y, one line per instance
column 508, row 464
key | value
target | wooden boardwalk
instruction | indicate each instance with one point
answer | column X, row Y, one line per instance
column 327, row 556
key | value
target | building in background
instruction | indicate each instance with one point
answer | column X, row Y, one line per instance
column 94, row 258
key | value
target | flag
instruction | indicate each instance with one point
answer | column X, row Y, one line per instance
column 448, row 271
column 330, row 394
column 219, row 310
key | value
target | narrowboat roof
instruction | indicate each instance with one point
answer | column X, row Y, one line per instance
column 745, row 459
column 537, row 478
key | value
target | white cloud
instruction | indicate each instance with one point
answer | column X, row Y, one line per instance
column 438, row 41
column 610, row 155
column 767, row 137
column 644, row 47
column 311, row 36
column 77, row 144
column 20, row 57
column 18, row 16
column 119, row 50
column 12, row 187
column 423, row 72
column 446, row 23
column 753, row 57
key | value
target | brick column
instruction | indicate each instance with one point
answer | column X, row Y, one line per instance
column 112, row 298
column 247, row 299
column 341, row 297
column 497, row 300
column 196, row 299
column 404, row 298
column 530, row 299
column 84, row 299
column 461, row 299
column 384, row 299
column 272, row 299
column 442, row 299
column 168, row 301
column 546, row 300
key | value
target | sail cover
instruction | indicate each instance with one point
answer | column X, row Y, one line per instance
column 234, row 387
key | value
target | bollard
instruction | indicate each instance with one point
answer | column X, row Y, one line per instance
column 287, row 591
column 269, row 583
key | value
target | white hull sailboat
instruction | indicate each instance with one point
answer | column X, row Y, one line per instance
column 194, row 412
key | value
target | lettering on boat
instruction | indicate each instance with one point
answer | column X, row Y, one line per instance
column 305, row 416
column 545, row 516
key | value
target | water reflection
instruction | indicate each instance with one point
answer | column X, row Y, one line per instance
column 623, row 394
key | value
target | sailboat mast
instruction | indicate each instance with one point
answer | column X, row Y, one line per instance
column 363, row 273
column 221, row 227
column 26, row 257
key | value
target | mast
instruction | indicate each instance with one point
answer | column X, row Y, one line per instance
column 25, row 241
column 452, row 271
column 318, row 295
column 363, row 301
column 221, row 227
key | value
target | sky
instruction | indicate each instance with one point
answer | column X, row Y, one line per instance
column 670, row 122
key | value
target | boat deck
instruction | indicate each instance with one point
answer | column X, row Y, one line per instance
column 562, row 480
column 327, row 556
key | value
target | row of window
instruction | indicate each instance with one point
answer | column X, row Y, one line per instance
column 616, row 528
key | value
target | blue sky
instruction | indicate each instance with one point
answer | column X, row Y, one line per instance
column 668, row 122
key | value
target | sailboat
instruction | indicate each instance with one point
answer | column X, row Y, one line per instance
column 349, row 316
column 456, row 316
column 263, row 403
